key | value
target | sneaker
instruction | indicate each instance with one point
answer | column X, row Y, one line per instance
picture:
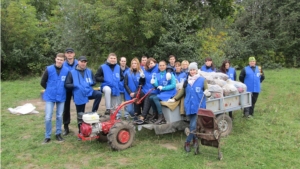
column 59, row 138
column 46, row 141
column 107, row 112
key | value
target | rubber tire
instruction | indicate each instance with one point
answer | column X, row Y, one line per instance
column 113, row 135
column 227, row 121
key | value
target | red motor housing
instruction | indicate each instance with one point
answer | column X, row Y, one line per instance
column 86, row 129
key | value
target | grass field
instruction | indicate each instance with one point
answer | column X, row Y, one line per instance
column 270, row 140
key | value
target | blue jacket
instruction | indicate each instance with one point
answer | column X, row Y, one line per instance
column 231, row 73
column 70, row 67
column 169, row 86
column 133, row 83
column 82, row 86
column 55, row 90
column 193, row 96
column 203, row 68
column 111, row 79
column 252, row 79
column 181, row 76
column 148, row 76
column 121, row 83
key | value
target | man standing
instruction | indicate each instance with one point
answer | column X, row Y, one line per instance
column 124, row 69
column 69, row 63
column 143, row 62
column 53, row 81
column 172, row 60
column 110, row 74
column 251, row 77
column 80, row 81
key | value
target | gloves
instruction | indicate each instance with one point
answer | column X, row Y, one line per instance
column 171, row 100
column 168, row 76
column 207, row 93
column 159, row 87
column 142, row 75
column 152, row 81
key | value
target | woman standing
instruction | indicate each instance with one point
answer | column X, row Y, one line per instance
column 194, row 99
column 166, row 90
column 133, row 78
column 227, row 69
column 208, row 66
column 230, row 71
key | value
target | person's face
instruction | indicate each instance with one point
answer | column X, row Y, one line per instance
column 227, row 65
column 123, row 62
column 193, row 72
column 208, row 63
column 184, row 65
column 112, row 59
column 144, row 60
column 134, row 64
column 252, row 63
column 178, row 68
column 82, row 64
column 172, row 60
column 70, row 55
column 162, row 66
column 151, row 64
column 59, row 61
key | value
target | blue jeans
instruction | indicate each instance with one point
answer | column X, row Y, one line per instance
column 129, row 110
column 193, row 125
column 155, row 103
column 48, row 117
column 126, row 112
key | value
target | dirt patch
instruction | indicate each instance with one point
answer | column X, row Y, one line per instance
column 26, row 137
column 169, row 146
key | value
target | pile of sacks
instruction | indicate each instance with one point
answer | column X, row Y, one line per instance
column 220, row 85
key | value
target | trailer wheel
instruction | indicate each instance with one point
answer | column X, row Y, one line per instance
column 224, row 124
column 121, row 135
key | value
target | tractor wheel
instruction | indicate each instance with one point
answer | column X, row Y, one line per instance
column 225, row 124
column 121, row 135
column 103, row 137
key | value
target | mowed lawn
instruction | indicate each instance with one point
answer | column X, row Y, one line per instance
column 270, row 140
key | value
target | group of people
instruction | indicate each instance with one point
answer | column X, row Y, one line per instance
column 71, row 78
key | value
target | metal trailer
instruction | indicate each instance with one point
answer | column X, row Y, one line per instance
column 220, row 107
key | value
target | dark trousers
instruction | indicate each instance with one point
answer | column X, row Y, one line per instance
column 254, row 97
column 97, row 95
column 250, row 110
column 66, row 113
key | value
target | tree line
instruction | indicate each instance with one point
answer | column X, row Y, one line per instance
column 34, row 31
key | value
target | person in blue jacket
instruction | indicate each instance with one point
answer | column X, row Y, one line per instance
column 195, row 90
column 166, row 87
column 230, row 71
column 81, row 81
column 179, row 74
column 69, row 63
column 208, row 66
column 124, row 69
column 110, row 75
column 151, row 69
column 251, row 77
column 53, row 81
column 132, row 80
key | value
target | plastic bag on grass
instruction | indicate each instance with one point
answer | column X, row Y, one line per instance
column 27, row 108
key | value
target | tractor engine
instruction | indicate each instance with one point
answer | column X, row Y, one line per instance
column 91, row 126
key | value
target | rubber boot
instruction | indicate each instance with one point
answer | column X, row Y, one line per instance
column 187, row 147
column 107, row 112
column 67, row 131
column 151, row 119
column 160, row 119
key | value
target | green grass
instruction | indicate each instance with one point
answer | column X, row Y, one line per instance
column 270, row 140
